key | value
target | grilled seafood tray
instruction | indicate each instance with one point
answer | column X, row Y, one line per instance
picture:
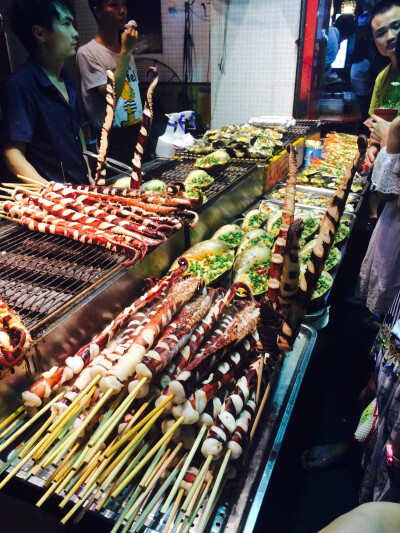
column 240, row 501
column 347, row 223
column 42, row 274
column 309, row 197
column 360, row 186
column 172, row 170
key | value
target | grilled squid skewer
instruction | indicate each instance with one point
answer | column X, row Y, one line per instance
column 225, row 423
column 124, row 367
column 107, row 125
column 243, row 424
column 14, row 337
column 291, row 269
column 56, row 376
column 287, row 219
column 227, row 370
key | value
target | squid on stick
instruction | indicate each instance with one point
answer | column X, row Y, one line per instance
column 287, row 219
column 144, row 133
column 319, row 254
column 107, row 125
column 58, row 375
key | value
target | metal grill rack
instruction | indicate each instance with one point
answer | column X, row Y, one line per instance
column 40, row 273
column 178, row 169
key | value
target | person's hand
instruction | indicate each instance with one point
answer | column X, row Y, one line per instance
column 372, row 152
column 129, row 40
column 379, row 129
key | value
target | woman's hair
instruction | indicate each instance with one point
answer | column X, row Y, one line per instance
column 24, row 14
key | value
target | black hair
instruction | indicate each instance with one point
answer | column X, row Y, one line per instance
column 95, row 3
column 24, row 14
column 381, row 6
column 346, row 25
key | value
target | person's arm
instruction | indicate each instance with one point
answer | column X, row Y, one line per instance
column 128, row 42
column 14, row 157
column 83, row 142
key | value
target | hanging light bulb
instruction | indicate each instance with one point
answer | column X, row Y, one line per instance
column 348, row 7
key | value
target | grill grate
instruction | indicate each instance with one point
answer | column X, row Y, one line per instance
column 178, row 169
column 40, row 273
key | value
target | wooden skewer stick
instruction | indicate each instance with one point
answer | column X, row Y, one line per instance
column 30, row 180
column 259, row 378
column 198, row 480
column 76, row 433
column 146, row 511
column 30, row 422
column 188, row 522
column 174, row 509
column 118, row 481
column 185, row 467
column 12, row 427
column 214, row 493
column 113, row 421
column 264, row 399
column 144, row 421
column 12, row 416
column 147, row 458
column 81, row 479
column 18, row 467
column 61, row 438
column 61, row 466
column 134, row 442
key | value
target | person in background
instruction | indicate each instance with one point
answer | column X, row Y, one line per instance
column 43, row 139
column 111, row 50
column 385, row 24
column 343, row 27
column 360, row 76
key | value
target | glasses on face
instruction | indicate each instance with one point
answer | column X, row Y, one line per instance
column 381, row 33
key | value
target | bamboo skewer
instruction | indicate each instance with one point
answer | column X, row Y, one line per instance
column 12, row 416
column 157, row 496
column 157, row 410
column 198, row 480
column 188, row 522
column 30, row 422
column 30, row 180
column 188, row 460
column 214, row 493
column 259, row 378
column 174, row 510
column 264, row 399
column 147, row 457
column 13, row 426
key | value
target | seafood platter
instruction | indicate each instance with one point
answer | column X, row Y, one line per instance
column 314, row 197
column 159, row 400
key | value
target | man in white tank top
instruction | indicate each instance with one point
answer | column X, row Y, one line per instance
column 112, row 50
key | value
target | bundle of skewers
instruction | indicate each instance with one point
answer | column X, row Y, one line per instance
column 122, row 220
column 147, row 417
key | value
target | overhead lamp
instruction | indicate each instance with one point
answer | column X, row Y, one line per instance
column 348, row 7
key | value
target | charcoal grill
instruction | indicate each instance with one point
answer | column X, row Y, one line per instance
column 42, row 274
column 177, row 170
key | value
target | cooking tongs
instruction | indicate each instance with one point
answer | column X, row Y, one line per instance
column 112, row 164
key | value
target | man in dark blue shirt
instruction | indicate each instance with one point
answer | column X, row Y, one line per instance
column 42, row 121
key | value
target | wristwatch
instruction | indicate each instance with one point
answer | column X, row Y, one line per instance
column 392, row 466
